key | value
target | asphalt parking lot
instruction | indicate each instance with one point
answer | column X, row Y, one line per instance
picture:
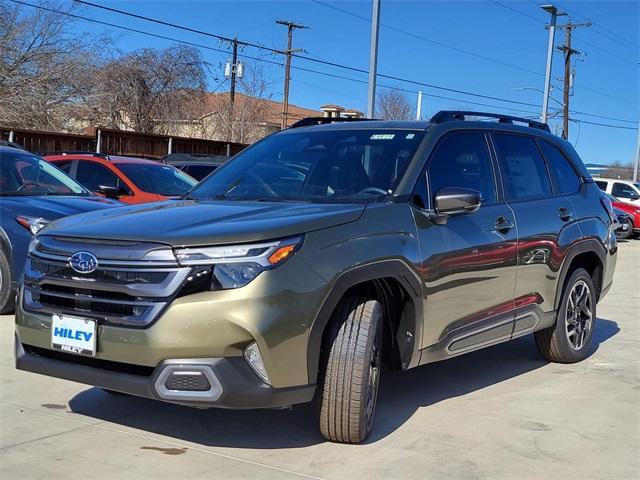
column 498, row 413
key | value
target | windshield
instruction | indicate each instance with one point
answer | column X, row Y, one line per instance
column 160, row 179
column 22, row 173
column 346, row 166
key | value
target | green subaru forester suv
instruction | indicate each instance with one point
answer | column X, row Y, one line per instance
column 295, row 270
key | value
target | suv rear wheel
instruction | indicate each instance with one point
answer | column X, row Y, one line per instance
column 569, row 340
column 349, row 383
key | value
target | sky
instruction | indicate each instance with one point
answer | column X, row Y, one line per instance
column 486, row 47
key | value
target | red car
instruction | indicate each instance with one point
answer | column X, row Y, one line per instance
column 629, row 208
column 130, row 180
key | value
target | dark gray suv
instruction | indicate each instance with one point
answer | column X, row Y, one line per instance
column 298, row 267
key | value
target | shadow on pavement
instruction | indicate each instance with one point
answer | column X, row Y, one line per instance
column 401, row 394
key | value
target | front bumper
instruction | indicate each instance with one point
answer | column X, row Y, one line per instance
column 231, row 381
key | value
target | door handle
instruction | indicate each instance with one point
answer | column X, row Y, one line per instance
column 503, row 225
column 564, row 214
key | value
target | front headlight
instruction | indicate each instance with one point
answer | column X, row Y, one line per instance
column 225, row 267
column 33, row 224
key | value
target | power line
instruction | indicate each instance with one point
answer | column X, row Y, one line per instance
column 605, row 94
column 359, row 70
column 536, row 19
column 327, row 74
column 620, row 40
column 603, row 124
column 609, row 53
column 181, row 27
column 429, row 40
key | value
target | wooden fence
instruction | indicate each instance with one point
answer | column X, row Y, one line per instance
column 116, row 142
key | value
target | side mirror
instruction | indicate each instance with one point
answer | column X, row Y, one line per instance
column 111, row 192
column 457, row 200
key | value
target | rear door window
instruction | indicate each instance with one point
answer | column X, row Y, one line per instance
column 602, row 185
column 622, row 190
column 565, row 178
column 463, row 160
column 523, row 169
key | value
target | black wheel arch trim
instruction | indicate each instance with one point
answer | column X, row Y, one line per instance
column 589, row 245
column 389, row 268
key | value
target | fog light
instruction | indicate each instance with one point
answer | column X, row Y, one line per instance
column 254, row 359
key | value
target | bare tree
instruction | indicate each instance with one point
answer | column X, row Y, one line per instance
column 245, row 120
column 148, row 90
column 393, row 105
column 44, row 66
column 617, row 169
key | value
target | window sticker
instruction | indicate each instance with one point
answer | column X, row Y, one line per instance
column 382, row 136
column 410, row 136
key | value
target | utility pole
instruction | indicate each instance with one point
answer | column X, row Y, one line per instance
column 233, row 71
column 568, row 77
column 419, row 106
column 547, row 77
column 636, row 164
column 291, row 26
column 373, row 59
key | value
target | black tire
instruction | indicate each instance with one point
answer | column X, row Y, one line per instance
column 350, row 378
column 7, row 293
column 569, row 340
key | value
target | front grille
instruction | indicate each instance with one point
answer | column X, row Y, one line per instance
column 106, row 276
column 125, row 289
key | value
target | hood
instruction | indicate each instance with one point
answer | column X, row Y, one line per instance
column 54, row 207
column 191, row 222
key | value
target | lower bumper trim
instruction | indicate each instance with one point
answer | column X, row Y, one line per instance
column 238, row 387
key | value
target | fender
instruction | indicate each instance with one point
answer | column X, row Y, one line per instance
column 582, row 246
column 394, row 268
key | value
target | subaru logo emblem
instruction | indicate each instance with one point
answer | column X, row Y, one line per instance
column 83, row 262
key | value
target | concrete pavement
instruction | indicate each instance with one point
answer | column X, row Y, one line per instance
column 498, row 413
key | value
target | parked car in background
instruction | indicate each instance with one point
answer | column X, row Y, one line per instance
column 33, row 193
column 128, row 179
column 395, row 242
column 632, row 210
column 7, row 143
column 623, row 224
column 626, row 191
column 197, row 166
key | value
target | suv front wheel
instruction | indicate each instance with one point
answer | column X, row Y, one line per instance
column 349, row 382
column 569, row 340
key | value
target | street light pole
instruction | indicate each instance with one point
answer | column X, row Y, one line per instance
column 637, row 162
column 547, row 77
column 373, row 59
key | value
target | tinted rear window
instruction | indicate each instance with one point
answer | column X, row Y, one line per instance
column 523, row 169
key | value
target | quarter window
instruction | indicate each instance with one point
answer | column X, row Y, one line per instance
column 523, row 169
column 602, row 185
column 462, row 160
column 564, row 176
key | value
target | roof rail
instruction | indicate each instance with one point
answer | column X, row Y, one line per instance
column 308, row 121
column 76, row 152
column 450, row 115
